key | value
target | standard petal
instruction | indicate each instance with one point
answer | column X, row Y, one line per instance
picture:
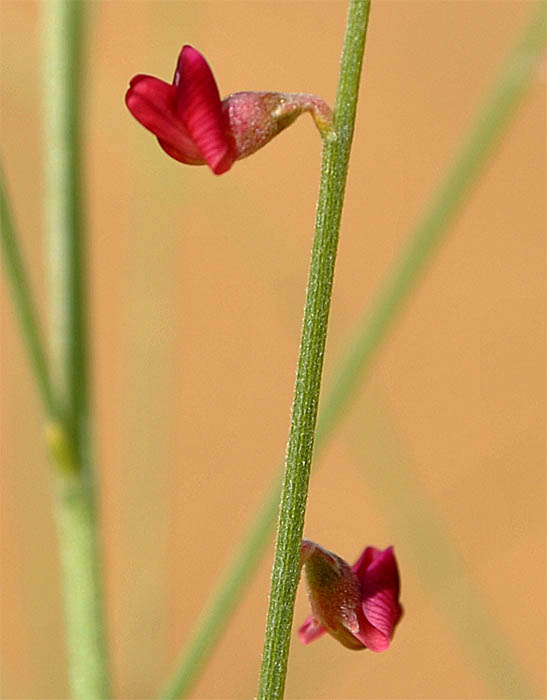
column 199, row 107
column 152, row 102
column 310, row 630
column 380, row 592
column 364, row 561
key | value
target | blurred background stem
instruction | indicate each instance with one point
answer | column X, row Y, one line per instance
column 492, row 118
column 422, row 531
column 68, row 434
column 294, row 491
column 23, row 300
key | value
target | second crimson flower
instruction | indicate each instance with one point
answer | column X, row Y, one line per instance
column 358, row 605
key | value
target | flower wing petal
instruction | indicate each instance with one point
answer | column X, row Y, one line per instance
column 199, row 107
column 367, row 557
column 310, row 630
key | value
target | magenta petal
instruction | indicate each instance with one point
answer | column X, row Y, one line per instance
column 199, row 107
column 380, row 591
column 152, row 102
column 357, row 605
column 310, row 630
column 370, row 636
column 361, row 565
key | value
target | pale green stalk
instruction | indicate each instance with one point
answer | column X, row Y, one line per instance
column 493, row 119
column 23, row 300
column 420, row 530
column 68, row 437
column 294, row 491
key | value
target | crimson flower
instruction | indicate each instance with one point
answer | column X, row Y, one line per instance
column 194, row 126
column 357, row 605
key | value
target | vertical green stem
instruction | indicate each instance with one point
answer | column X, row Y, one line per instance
column 68, row 437
column 63, row 207
column 286, row 569
column 76, row 520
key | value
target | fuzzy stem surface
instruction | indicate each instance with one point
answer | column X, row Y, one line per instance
column 294, row 491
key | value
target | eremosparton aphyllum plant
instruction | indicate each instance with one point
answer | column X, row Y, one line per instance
column 194, row 126
column 357, row 605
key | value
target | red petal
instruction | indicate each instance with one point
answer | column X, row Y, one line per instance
column 199, row 107
column 310, row 630
column 152, row 102
column 179, row 155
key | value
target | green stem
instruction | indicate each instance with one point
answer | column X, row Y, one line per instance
column 219, row 608
column 76, row 524
column 24, row 303
column 294, row 492
column 69, row 442
column 64, row 21
column 388, row 304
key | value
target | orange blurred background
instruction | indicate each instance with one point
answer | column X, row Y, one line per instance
column 197, row 286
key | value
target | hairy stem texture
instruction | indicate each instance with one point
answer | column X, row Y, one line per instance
column 286, row 569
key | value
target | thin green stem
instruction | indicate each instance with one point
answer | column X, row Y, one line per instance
column 64, row 20
column 222, row 603
column 25, row 306
column 70, row 448
column 76, row 518
column 294, row 491
column 372, row 332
